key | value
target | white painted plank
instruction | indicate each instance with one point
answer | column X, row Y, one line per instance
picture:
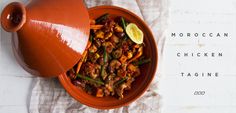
column 8, row 64
column 13, row 109
column 15, row 91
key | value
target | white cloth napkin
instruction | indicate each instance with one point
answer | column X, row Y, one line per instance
column 48, row 96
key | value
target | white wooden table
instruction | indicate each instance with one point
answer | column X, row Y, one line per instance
column 15, row 83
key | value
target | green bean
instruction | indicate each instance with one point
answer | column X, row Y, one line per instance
column 105, row 56
column 120, row 81
column 123, row 23
column 101, row 18
column 141, row 62
column 102, row 71
column 124, row 27
column 73, row 71
column 105, row 61
column 90, row 79
column 91, row 38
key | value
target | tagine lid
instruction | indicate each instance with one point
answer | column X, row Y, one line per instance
column 51, row 35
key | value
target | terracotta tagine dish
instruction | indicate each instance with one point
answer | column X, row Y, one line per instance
column 53, row 36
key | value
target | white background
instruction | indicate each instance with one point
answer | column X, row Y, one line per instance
column 200, row 16
column 177, row 92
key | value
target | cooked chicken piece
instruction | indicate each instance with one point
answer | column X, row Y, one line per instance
column 114, row 64
column 109, row 87
column 128, row 83
column 103, row 73
column 129, row 54
column 114, row 39
column 123, row 59
column 93, row 49
column 120, row 90
column 121, row 73
column 108, row 35
column 94, row 57
column 109, row 25
column 117, row 53
column 109, row 46
column 99, row 34
column 124, row 66
column 125, row 46
column 118, row 28
column 106, row 92
column 134, row 70
column 92, row 70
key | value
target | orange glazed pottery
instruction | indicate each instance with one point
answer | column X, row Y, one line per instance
column 51, row 34
column 140, row 84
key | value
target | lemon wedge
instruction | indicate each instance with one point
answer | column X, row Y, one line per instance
column 134, row 33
